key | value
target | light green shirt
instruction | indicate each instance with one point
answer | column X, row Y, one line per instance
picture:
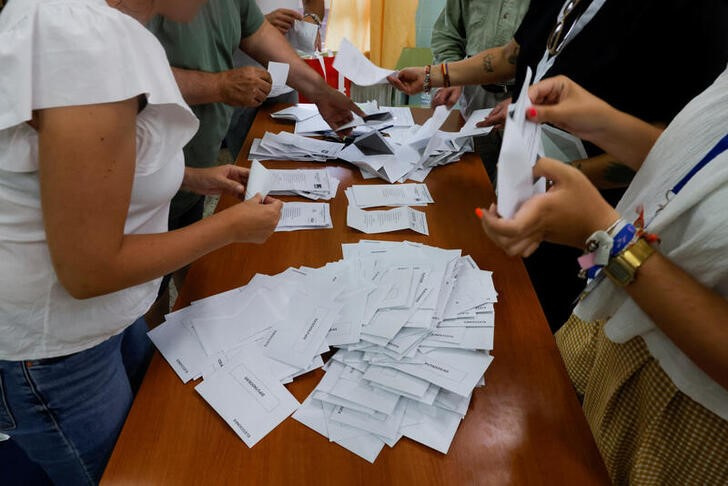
column 465, row 27
column 207, row 43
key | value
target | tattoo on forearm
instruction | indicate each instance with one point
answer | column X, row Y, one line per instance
column 617, row 173
column 488, row 63
column 513, row 56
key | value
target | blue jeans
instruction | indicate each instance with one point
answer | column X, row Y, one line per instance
column 67, row 412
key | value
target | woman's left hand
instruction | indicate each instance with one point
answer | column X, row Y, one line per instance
column 227, row 178
column 568, row 213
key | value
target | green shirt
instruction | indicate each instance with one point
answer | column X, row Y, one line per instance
column 465, row 27
column 207, row 43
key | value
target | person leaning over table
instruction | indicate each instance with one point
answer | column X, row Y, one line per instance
column 282, row 14
column 647, row 347
column 465, row 28
column 628, row 54
column 90, row 156
column 201, row 55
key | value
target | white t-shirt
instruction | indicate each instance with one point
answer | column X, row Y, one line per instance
column 58, row 53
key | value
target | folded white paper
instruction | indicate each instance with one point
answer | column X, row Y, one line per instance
column 385, row 221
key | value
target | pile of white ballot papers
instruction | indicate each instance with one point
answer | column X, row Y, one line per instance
column 392, row 147
column 413, row 325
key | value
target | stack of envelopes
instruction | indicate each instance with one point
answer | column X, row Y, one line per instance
column 413, row 325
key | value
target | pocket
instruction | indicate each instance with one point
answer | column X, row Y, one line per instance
column 7, row 422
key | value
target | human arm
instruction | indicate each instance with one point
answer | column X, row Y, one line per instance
column 87, row 158
column 267, row 44
column 216, row 180
column 315, row 6
column 567, row 105
column 690, row 314
column 283, row 19
column 494, row 65
column 447, row 96
column 243, row 86
column 448, row 34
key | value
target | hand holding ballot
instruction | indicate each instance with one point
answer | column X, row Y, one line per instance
column 410, row 80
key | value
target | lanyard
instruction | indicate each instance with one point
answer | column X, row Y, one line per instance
column 719, row 148
column 547, row 61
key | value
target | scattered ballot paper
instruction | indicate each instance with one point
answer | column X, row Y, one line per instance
column 411, row 323
column 352, row 64
column 385, row 221
column 289, row 146
column 297, row 112
column 370, row 196
column 304, row 215
column 279, row 75
column 260, row 181
column 520, row 150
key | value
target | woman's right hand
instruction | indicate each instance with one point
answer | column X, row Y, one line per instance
column 409, row 80
column 254, row 220
column 565, row 104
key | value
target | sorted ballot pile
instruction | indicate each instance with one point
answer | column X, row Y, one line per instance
column 413, row 325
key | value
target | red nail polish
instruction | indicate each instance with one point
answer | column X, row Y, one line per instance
column 531, row 112
column 479, row 213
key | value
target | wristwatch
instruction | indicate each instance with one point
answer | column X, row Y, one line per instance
column 622, row 268
column 316, row 19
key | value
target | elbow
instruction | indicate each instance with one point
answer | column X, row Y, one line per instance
column 80, row 289
column 84, row 283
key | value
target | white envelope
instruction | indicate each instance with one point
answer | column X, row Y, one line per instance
column 260, row 181
column 434, row 427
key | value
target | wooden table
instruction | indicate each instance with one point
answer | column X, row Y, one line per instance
column 524, row 427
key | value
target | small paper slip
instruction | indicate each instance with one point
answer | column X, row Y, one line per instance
column 250, row 400
column 260, row 181
column 304, row 215
column 351, row 63
column 521, row 149
column 302, row 36
column 385, row 221
column 369, row 196
column 401, row 115
column 469, row 129
column 279, row 75
column 298, row 112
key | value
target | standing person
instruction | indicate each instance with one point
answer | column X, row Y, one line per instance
column 282, row 14
column 201, row 55
column 647, row 346
column 90, row 157
column 466, row 28
column 624, row 52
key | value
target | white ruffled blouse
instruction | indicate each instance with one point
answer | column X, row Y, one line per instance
column 57, row 53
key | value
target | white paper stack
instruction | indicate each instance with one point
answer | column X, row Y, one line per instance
column 304, row 215
column 289, row 146
column 310, row 183
column 413, row 325
column 374, row 195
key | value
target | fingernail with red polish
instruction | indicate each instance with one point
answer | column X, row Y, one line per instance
column 479, row 213
column 531, row 112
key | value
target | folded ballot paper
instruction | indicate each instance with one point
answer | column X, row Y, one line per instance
column 520, row 150
column 412, row 324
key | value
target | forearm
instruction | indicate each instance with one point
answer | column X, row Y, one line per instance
column 691, row 315
column 315, row 6
column 141, row 258
column 198, row 87
column 268, row 44
column 495, row 65
column 605, row 172
column 626, row 137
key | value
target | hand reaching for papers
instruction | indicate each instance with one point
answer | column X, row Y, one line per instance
column 568, row 213
column 283, row 19
column 254, row 220
column 244, row 86
column 336, row 108
column 447, row 96
column 409, row 80
column 497, row 117
column 212, row 181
